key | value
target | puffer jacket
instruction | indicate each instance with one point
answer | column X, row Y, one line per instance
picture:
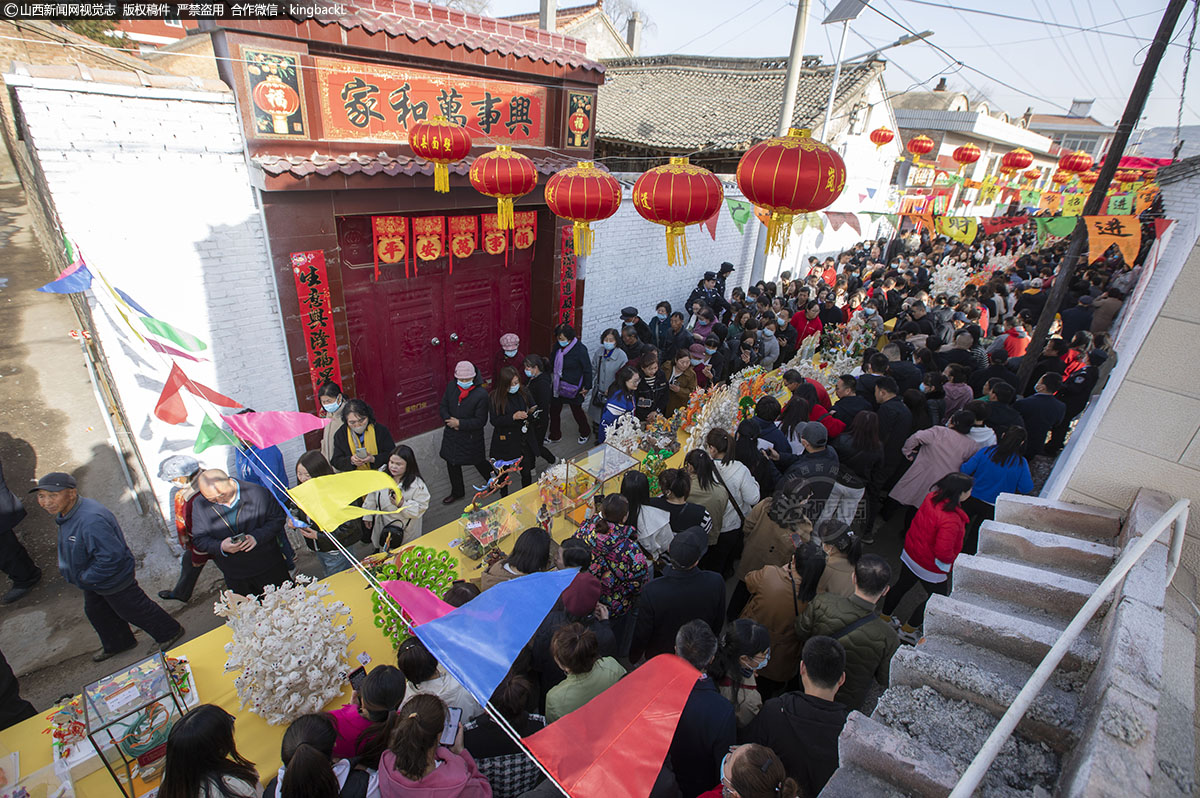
column 464, row 446
column 869, row 648
column 935, row 538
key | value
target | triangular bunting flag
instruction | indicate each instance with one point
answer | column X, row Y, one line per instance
column 128, row 300
column 326, row 500
column 478, row 642
column 710, row 224
column 871, row 193
column 73, row 280
column 1060, row 226
column 614, row 745
column 1105, row 231
column 163, row 330
column 994, row 224
column 862, row 196
column 170, row 407
column 417, row 602
column 273, row 426
column 159, row 346
column 740, row 212
column 212, row 435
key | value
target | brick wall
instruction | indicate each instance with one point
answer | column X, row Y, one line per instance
column 153, row 186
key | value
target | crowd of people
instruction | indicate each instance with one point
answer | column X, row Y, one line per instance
column 748, row 562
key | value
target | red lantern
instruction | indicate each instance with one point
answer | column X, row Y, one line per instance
column 881, row 136
column 1149, row 175
column 920, row 145
column 503, row 174
column 1007, row 171
column 1031, row 176
column 966, row 155
column 583, row 194
column 787, row 175
column 441, row 142
column 1060, row 178
column 1078, row 161
column 1089, row 178
column 675, row 196
column 1127, row 175
column 278, row 99
column 1017, row 159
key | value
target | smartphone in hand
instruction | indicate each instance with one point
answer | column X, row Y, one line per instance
column 356, row 676
column 450, row 730
column 238, row 538
column 362, row 453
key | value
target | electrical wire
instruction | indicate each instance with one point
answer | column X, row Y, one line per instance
column 719, row 25
column 1087, row 41
column 744, row 31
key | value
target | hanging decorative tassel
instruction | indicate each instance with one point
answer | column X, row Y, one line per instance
column 779, row 230
column 441, row 178
column 677, row 253
column 504, row 213
column 583, row 237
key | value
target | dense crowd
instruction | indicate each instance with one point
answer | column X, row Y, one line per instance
column 748, row 561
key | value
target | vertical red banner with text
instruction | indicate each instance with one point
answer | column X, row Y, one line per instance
column 316, row 317
column 566, row 279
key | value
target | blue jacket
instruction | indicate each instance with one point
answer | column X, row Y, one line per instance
column 992, row 479
column 92, row 554
column 767, row 431
column 617, row 405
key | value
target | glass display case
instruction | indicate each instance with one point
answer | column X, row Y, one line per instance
column 567, row 489
column 487, row 525
column 128, row 715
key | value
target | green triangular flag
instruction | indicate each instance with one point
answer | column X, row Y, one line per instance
column 741, row 212
column 69, row 248
column 1060, row 226
column 163, row 330
column 212, row 435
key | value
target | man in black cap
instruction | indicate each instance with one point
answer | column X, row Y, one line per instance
column 93, row 556
column 683, row 593
column 706, row 293
column 722, row 273
column 630, row 318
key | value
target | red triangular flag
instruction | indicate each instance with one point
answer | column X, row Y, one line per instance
column 170, row 406
column 710, row 224
column 614, row 746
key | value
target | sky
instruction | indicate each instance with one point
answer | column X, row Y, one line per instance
column 1045, row 67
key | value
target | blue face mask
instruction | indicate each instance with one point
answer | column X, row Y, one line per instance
column 869, row 311
column 696, row 361
column 709, row 351
column 514, row 388
column 510, row 353
column 610, row 345
column 768, row 333
column 465, row 383
column 662, row 316
column 528, row 373
column 331, row 407
column 781, row 319
column 563, row 343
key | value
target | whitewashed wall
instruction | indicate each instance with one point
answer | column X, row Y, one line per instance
column 152, row 186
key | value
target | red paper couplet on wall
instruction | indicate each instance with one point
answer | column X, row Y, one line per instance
column 525, row 232
column 390, row 241
column 566, row 279
column 316, row 318
column 463, row 231
column 429, row 234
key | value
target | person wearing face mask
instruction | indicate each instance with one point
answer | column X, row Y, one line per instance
column 363, row 441
column 660, row 326
column 510, row 405
column 180, row 471
column 630, row 318
column 331, row 399
column 809, row 322
column 681, row 380
column 744, row 649
column 717, row 358
column 606, row 362
column 873, row 316
column 541, row 393
column 768, row 342
column 699, row 358
column 405, row 504
column 572, row 380
column 310, row 466
column 464, row 411
column 620, row 400
column 652, row 388
column 510, row 354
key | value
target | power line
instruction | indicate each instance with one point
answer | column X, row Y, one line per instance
column 1135, row 37
column 720, row 25
column 772, row 13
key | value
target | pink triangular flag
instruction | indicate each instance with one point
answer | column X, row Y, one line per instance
column 419, row 603
column 273, row 426
column 862, row 197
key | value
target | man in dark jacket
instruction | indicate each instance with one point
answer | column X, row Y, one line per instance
column 1049, row 361
column 849, row 404
column 14, row 559
column 660, row 327
column 707, row 726
column 906, row 373
column 997, row 368
column 766, row 411
column 869, row 641
column 1077, row 318
column 630, row 318
column 1042, row 412
column 93, row 556
column 1075, row 393
column 683, row 593
column 803, row 727
column 816, row 468
column 1001, row 414
column 464, row 411
column 723, row 274
column 239, row 524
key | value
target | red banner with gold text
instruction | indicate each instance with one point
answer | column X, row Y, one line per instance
column 316, row 317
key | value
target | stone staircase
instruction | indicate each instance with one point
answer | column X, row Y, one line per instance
column 1092, row 730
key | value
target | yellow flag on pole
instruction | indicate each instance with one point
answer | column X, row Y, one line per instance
column 958, row 228
column 326, row 500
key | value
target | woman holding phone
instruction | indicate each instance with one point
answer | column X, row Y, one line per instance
column 404, row 505
column 364, row 441
column 420, row 763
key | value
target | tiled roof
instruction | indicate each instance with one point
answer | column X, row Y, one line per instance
column 929, row 100
column 355, row 163
column 441, row 25
column 1063, row 119
column 563, row 17
column 683, row 103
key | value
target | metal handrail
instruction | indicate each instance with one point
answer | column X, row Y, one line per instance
column 1176, row 517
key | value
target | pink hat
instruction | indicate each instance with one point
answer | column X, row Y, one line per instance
column 697, row 350
column 464, row 370
column 509, row 341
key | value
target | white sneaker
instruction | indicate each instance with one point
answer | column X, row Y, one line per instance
column 583, row 439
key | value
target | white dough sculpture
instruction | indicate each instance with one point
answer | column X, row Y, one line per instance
column 290, row 647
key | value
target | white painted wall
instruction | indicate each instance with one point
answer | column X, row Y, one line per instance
column 152, row 186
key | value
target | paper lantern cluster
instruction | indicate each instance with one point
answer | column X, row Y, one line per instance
column 790, row 175
column 505, row 175
column 966, row 155
column 881, row 136
column 920, row 145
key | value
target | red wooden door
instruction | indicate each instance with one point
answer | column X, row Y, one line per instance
column 406, row 335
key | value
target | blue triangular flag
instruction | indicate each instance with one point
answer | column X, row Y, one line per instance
column 871, row 193
column 129, row 301
column 478, row 642
column 70, row 282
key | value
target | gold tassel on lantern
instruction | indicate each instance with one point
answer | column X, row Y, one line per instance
column 779, row 230
column 582, row 235
column 677, row 253
column 504, row 213
column 441, row 178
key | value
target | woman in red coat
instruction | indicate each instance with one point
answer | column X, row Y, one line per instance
column 933, row 542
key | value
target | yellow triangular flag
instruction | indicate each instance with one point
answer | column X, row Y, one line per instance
column 326, row 500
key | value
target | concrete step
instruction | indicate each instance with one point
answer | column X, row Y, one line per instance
column 990, row 680
column 1061, row 553
column 1037, row 588
column 894, row 758
column 955, row 730
column 852, row 782
column 990, row 625
column 1063, row 518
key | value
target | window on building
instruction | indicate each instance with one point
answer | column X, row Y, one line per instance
column 1086, row 143
column 173, row 23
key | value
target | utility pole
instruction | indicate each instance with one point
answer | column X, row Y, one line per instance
column 790, row 86
column 1133, row 112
